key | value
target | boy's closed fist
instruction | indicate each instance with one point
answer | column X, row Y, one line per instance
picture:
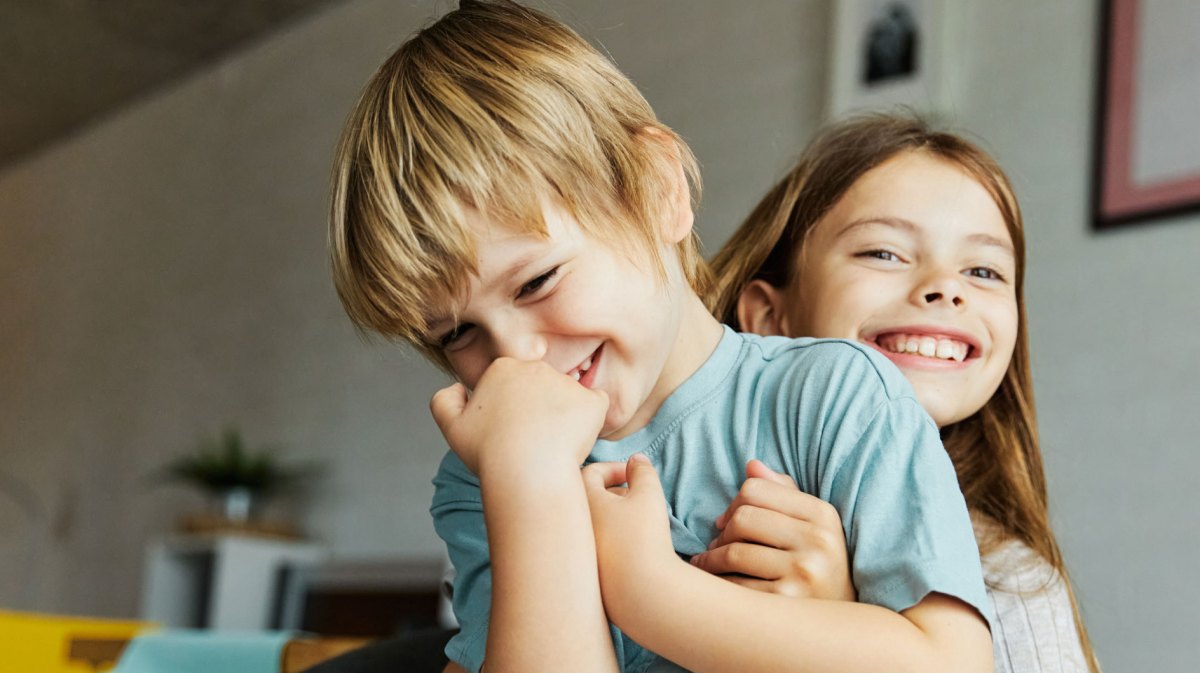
column 523, row 411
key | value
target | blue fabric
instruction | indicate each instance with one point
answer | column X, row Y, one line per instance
column 181, row 651
column 835, row 415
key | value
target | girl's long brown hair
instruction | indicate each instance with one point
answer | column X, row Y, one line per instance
column 996, row 450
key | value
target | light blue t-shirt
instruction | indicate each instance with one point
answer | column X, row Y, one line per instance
column 836, row 416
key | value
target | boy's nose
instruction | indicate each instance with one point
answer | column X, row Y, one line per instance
column 521, row 345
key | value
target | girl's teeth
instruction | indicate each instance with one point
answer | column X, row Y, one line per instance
column 576, row 374
column 945, row 350
column 587, row 364
column 930, row 347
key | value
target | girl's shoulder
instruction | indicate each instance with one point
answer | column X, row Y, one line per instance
column 1009, row 564
column 1035, row 622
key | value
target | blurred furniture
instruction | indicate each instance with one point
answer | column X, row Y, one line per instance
column 372, row 598
column 299, row 655
column 40, row 643
column 219, row 581
column 415, row 652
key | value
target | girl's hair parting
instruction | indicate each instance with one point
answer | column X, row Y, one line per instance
column 996, row 450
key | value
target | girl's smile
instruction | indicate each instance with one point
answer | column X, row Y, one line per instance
column 925, row 346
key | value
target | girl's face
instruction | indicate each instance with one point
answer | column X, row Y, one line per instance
column 915, row 260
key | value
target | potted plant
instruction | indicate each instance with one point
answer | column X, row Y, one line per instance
column 236, row 478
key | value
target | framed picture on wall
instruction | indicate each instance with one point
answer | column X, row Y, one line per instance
column 1148, row 145
column 888, row 53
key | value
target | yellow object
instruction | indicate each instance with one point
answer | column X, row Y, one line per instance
column 34, row 643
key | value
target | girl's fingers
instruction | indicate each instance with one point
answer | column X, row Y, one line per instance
column 764, row 586
column 751, row 560
column 758, row 469
column 785, row 499
column 762, row 526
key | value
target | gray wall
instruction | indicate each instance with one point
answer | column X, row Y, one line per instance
column 163, row 273
column 1113, row 320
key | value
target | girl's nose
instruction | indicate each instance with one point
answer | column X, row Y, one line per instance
column 940, row 289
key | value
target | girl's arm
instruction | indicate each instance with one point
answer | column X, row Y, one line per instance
column 704, row 623
column 524, row 430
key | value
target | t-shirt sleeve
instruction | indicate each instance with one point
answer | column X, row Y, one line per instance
column 882, row 465
column 1034, row 629
column 458, row 519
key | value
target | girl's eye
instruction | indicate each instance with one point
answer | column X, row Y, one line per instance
column 536, row 284
column 884, row 255
column 984, row 272
column 455, row 336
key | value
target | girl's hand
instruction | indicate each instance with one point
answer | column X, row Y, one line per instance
column 633, row 534
column 777, row 539
column 522, row 412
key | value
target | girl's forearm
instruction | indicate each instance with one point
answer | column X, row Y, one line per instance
column 546, row 608
column 705, row 623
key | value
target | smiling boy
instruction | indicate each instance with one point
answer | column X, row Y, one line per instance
column 507, row 202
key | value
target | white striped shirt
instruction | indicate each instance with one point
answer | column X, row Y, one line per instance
column 1034, row 631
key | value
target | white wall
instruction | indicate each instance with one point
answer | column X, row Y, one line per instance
column 163, row 273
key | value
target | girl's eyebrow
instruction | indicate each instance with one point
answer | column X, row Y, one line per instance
column 909, row 227
column 894, row 222
column 993, row 242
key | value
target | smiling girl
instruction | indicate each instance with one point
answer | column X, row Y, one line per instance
column 910, row 241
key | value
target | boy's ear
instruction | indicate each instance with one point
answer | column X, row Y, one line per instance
column 679, row 225
column 760, row 309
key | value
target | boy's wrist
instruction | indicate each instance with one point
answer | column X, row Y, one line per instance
column 526, row 464
column 633, row 584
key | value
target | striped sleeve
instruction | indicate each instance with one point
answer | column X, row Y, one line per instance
column 1034, row 629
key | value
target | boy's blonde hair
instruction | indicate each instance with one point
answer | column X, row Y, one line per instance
column 996, row 451
column 498, row 108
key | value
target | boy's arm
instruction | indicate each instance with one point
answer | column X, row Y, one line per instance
column 704, row 623
column 546, row 609
column 524, row 431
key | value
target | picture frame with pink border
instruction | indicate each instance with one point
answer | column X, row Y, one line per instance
column 1147, row 166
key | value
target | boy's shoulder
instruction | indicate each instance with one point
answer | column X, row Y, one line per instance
column 455, row 486
column 830, row 362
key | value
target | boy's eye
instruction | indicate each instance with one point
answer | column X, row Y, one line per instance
column 455, row 336
column 984, row 272
column 536, row 284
